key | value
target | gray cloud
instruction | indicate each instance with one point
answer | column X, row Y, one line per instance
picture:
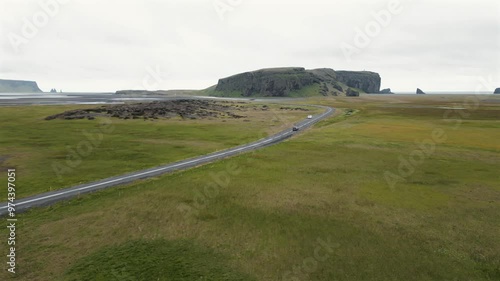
column 91, row 45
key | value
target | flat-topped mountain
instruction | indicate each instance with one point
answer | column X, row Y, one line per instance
column 18, row 86
column 297, row 81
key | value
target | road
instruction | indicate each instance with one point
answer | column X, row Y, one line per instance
column 52, row 197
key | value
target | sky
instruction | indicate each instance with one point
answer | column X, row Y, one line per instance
column 109, row 45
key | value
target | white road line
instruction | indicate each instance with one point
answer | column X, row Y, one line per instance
column 201, row 159
column 149, row 172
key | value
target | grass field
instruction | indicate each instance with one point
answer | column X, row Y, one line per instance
column 317, row 207
column 59, row 153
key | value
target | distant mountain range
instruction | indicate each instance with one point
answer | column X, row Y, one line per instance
column 18, row 86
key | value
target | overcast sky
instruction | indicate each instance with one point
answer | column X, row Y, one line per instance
column 106, row 45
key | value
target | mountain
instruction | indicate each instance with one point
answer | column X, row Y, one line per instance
column 18, row 86
column 296, row 81
column 367, row 81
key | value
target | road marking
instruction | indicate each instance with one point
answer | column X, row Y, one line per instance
column 264, row 141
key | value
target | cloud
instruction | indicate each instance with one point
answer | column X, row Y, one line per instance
column 108, row 45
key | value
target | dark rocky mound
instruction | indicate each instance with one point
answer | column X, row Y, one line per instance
column 352, row 93
column 18, row 86
column 276, row 82
column 497, row 91
column 386, row 91
column 293, row 108
column 281, row 82
column 186, row 109
column 420, row 92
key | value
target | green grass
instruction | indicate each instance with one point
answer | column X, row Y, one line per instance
column 153, row 260
column 50, row 155
column 309, row 91
column 262, row 214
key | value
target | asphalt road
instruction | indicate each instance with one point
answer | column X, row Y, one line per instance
column 52, row 197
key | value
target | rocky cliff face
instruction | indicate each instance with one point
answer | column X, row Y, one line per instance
column 367, row 81
column 275, row 82
column 281, row 82
column 18, row 86
column 352, row 93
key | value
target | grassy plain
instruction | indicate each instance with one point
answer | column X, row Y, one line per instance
column 264, row 215
column 50, row 155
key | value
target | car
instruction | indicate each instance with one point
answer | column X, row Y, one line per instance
column 295, row 128
column 309, row 117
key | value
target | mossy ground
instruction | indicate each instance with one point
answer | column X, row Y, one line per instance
column 154, row 260
column 53, row 154
column 272, row 206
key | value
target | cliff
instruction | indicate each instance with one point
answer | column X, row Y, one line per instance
column 18, row 86
column 296, row 81
column 367, row 81
column 275, row 82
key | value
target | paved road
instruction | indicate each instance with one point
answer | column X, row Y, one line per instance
column 52, row 197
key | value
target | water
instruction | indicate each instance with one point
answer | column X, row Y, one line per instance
column 112, row 98
column 72, row 98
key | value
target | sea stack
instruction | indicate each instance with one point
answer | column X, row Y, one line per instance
column 420, row 92
column 386, row 91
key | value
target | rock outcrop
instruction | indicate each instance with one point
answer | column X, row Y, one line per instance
column 283, row 82
column 275, row 82
column 367, row 81
column 420, row 92
column 352, row 93
column 18, row 86
column 186, row 109
column 497, row 91
column 386, row 91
